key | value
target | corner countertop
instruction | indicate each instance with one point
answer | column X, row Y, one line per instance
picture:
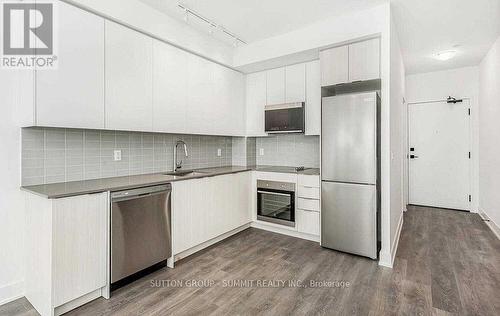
column 67, row 189
column 284, row 169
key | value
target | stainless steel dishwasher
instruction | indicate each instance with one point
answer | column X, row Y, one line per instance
column 140, row 232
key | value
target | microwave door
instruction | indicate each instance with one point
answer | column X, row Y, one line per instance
column 285, row 118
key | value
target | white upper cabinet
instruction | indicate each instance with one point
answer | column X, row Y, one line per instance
column 255, row 102
column 216, row 99
column 364, row 60
column 334, row 65
column 170, row 86
column 236, row 105
column 275, row 81
column 313, row 98
column 201, row 94
column 349, row 63
column 73, row 94
column 295, row 83
column 129, row 86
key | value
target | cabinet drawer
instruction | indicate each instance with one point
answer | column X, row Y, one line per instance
column 308, row 181
column 308, row 222
column 308, row 192
column 308, row 204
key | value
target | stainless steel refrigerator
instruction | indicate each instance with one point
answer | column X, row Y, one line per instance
column 350, row 173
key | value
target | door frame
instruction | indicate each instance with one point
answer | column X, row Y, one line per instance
column 473, row 148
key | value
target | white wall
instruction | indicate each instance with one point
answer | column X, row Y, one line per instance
column 433, row 86
column 458, row 83
column 397, row 94
column 489, row 129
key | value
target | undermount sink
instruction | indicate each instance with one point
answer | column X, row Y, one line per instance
column 184, row 173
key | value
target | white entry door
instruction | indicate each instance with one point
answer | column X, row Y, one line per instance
column 439, row 149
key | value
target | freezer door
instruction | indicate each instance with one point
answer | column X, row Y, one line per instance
column 349, row 218
column 349, row 138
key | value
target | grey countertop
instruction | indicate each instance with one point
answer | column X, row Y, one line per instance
column 67, row 189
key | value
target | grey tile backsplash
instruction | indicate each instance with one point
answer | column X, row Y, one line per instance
column 288, row 150
column 244, row 151
column 52, row 155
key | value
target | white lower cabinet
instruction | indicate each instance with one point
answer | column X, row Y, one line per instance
column 308, row 204
column 66, row 251
column 307, row 222
column 203, row 209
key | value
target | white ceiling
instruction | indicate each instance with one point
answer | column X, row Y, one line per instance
column 427, row 27
column 254, row 20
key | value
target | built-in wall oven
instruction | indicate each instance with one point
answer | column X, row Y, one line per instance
column 276, row 202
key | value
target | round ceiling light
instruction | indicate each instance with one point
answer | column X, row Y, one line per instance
column 449, row 54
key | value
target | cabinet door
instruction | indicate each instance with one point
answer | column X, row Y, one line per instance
column 189, row 223
column 313, row 98
column 200, row 109
column 181, row 206
column 228, row 104
column 275, row 86
column 129, row 67
column 334, row 66
column 169, row 88
column 308, row 222
column 364, row 60
column 79, row 245
column 73, row 94
column 255, row 102
column 244, row 194
column 237, row 103
column 295, row 83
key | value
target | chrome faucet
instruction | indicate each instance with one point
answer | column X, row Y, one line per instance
column 178, row 165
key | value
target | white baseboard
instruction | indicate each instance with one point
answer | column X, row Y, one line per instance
column 283, row 230
column 387, row 258
column 11, row 292
column 491, row 224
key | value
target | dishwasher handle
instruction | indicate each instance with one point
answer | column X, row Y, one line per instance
column 140, row 192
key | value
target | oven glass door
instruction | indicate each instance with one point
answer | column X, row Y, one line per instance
column 276, row 206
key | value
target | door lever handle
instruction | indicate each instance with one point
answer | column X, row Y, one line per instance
column 413, row 156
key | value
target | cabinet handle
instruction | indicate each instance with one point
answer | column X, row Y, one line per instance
column 310, row 211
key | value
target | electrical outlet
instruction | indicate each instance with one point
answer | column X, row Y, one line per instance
column 219, row 152
column 118, row 155
column 261, row 151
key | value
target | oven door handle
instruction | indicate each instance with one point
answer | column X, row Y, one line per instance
column 273, row 193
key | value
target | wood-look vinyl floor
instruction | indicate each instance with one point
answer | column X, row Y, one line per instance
column 448, row 262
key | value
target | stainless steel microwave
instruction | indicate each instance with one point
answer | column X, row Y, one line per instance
column 285, row 118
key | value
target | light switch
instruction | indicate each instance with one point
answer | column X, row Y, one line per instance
column 219, row 152
column 261, row 151
column 118, row 155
